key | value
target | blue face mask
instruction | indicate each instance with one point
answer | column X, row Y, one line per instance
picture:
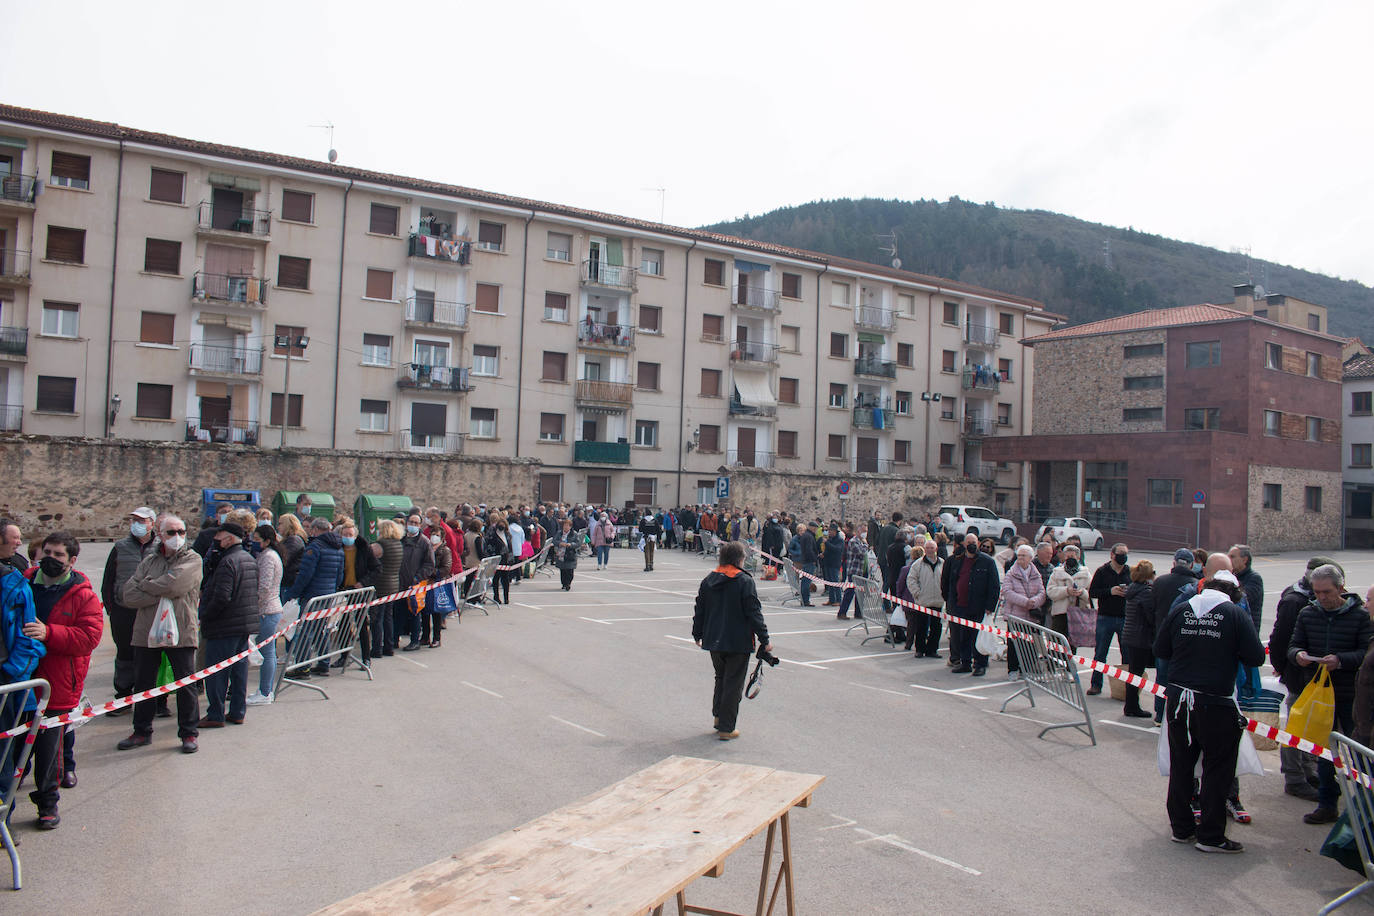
column 1197, row 568
column 412, row 530
column 138, row 530
column 348, row 541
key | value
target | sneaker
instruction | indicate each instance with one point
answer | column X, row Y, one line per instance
column 1013, row 675
column 1301, row 790
column 728, row 736
column 1322, row 815
column 1237, row 811
column 1190, row 838
column 134, row 740
column 48, row 819
column 1223, row 846
column 189, row 746
column 260, row 699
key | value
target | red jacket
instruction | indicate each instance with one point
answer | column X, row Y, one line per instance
column 75, row 625
column 451, row 538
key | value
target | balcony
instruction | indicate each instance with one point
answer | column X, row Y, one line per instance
column 980, row 378
column 14, row 267
column 752, row 351
column 14, row 343
column 875, row 367
column 585, row 452
column 749, row 459
column 605, row 394
column 231, row 361
column 755, row 297
column 873, row 465
column 597, row 335
column 981, row 471
column 457, row 252
column 436, row 313
column 414, row 376
column 873, row 417
column 740, row 409
column 979, row 427
column 243, row 224
column 238, row 432
column 431, row 443
column 11, row 418
column 249, row 292
column 18, row 192
column 872, row 316
column 980, row 335
column 610, row 276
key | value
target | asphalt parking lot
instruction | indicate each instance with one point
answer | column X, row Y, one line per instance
column 933, row 800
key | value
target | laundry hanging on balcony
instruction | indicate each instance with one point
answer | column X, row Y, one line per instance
column 754, row 390
column 877, row 418
column 746, row 267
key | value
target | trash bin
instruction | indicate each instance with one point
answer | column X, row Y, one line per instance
column 321, row 504
column 372, row 508
column 239, row 499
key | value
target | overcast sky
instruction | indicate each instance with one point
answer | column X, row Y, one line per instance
column 1235, row 123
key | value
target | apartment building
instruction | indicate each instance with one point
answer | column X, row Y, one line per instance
column 1357, row 448
column 158, row 288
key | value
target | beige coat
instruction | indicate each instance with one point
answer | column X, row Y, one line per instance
column 159, row 576
column 1058, row 588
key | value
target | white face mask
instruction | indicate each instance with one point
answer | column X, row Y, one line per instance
column 436, row 540
column 174, row 542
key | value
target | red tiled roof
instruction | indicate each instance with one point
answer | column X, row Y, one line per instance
column 112, row 131
column 1359, row 366
column 1206, row 313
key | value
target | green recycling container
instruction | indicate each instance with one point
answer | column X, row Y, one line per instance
column 321, row 504
column 372, row 508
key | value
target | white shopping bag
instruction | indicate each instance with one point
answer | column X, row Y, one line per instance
column 164, row 633
column 987, row 642
column 898, row 616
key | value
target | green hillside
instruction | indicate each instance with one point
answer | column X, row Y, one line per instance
column 1056, row 259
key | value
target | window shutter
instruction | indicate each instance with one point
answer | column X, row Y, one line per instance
column 555, row 366
column 298, row 206
column 488, row 297
column 293, row 273
column 551, row 426
column 71, row 166
column 154, row 402
column 648, row 376
column 787, row 443
column 711, row 326
column 383, row 220
column 709, row 440
column 787, row 390
column 66, row 245
column 166, row 186
column 162, row 256
column 551, row 487
column 56, row 394
column 157, row 328
column 491, row 235
column 378, row 284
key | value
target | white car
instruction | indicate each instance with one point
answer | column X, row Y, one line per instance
column 1062, row 527
column 962, row 520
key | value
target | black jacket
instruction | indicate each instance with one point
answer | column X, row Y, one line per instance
column 366, row 564
column 1204, row 648
column 1100, row 590
column 896, row 559
column 1139, row 630
column 984, row 586
column 493, row 545
column 1167, row 587
column 1252, row 583
column 728, row 614
column 774, row 539
column 417, row 561
column 809, row 553
column 1345, row 632
column 229, row 601
column 886, row 535
column 1294, row 598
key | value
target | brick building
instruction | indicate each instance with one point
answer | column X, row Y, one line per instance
column 1358, row 448
column 1134, row 415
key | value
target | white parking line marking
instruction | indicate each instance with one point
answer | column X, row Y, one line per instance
column 575, row 725
column 855, row 658
column 951, row 693
column 483, row 689
column 1012, row 715
column 900, row 693
column 594, row 620
column 1139, row 728
column 532, row 607
column 898, row 842
column 803, row 632
column 412, row 661
column 637, row 619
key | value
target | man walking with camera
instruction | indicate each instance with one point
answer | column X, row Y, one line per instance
column 728, row 618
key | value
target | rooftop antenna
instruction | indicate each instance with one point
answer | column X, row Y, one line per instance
column 329, row 126
column 662, row 196
column 891, row 248
column 1249, row 275
column 1107, row 253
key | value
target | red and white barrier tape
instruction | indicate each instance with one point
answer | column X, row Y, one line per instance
column 803, row 574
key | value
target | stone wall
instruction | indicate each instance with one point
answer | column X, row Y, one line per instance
column 88, row 485
column 1079, row 387
column 812, row 493
column 1294, row 527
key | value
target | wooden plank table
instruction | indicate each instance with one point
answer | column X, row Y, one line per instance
column 629, row 848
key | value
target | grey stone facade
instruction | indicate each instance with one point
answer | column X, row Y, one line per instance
column 1293, row 526
column 1079, row 387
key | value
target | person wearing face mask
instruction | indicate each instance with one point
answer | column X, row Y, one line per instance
column 924, row 582
column 320, row 572
column 172, row 571
column 205, row 538
column 1023, row 591
column 956, row 556
column 774, row 539
column 497, row 544
column 417, row 565
column 1108, row 589
column 1166, row 591
column 361, row 563
column 431, row 622
column 435, row 524
column 269, row 566
column 124, row 558
column 603, row 536
column 228, row 618
column 1068, row 586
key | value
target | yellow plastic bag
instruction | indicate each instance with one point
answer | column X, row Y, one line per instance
column 1314, row 710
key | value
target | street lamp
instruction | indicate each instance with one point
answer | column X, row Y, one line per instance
column 115, row 402
column 288, row 342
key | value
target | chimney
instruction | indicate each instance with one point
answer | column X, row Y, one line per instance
column 1244, row 294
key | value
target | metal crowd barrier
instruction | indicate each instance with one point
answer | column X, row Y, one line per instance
column 1359, row 807
column 15, row 752
column 1047, row 664
column 794, row 583
column 868, row 601
column 476, row 595
column 545, row 558
column 324, row 639
column 533, row 563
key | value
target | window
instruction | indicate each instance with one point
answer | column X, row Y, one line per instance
column 60, row 319
column 378, row 284
column 839, row 293
column 647, row 376
column 1003, row 414
column 1273, row 356
column 56, row 394
column 834, row 446
column 710, row 383
column 1202, row 418
column 906, row 355
column 713, row 272
column 291, row 331
column 787, row 390
column 901, row 451
column 488, row 298
column 839, row 344
column 70, row 170
column 1360, row 453
column 491, row 236
column 1165, row 491
column 555, row 306
column 293, row 415
column 951, row 313
column 153, row 402
column 431, row 353
column 646, row 433
column 906, row 304
column 904, row 403
column 1202, row 353
column 298, row 206
column 651, row 319
column 483, row 423
column 646, row 491
column 1361, row 505
column 384, row 219
column 1312, row 498
column 1314, row 429
column 1142, row 351
column 550, row 488
column 1004, row 369
column 167, row 186
column 1314, row 322
column 947, row 361
column 791, row 286
column 376, row 350
column 791, row 338
column 67, row 245
column 712, row 327
column 1006, row 322
column 838, row 392
column 157, row 328
column 946, row 455
column 651, row 262
column 1273, row 421
column 555, row 367
column 1314, row 365
column 293, row 273
column 551, row 427
column 1361, row 403
column 1142, row 382
column 1273, row 496
column 559, row 247
column 1139, row 414
column 599, row 489
column 709, row 440
column 787, row 443
column 161, row 256
column 485, row 359
column 374, row 416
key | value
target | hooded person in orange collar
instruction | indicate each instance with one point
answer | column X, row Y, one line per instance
column 727, row 621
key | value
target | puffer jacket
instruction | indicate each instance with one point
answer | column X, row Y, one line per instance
column 923, row 581
column 159, row 576
column 229, row 602
column 389, row 579
column 269, row 582
column 291, row 548
column 1138, row 632
column 321, row 570
column 728, row 615
column 124, row 558
column 603, row 534
column 1058, row 589
column 1022, row 590
column 417, row 561
column 1345, row 632
column 75, row 625
column 19, row 654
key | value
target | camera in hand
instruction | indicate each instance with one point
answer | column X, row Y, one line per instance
column 767, row 656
